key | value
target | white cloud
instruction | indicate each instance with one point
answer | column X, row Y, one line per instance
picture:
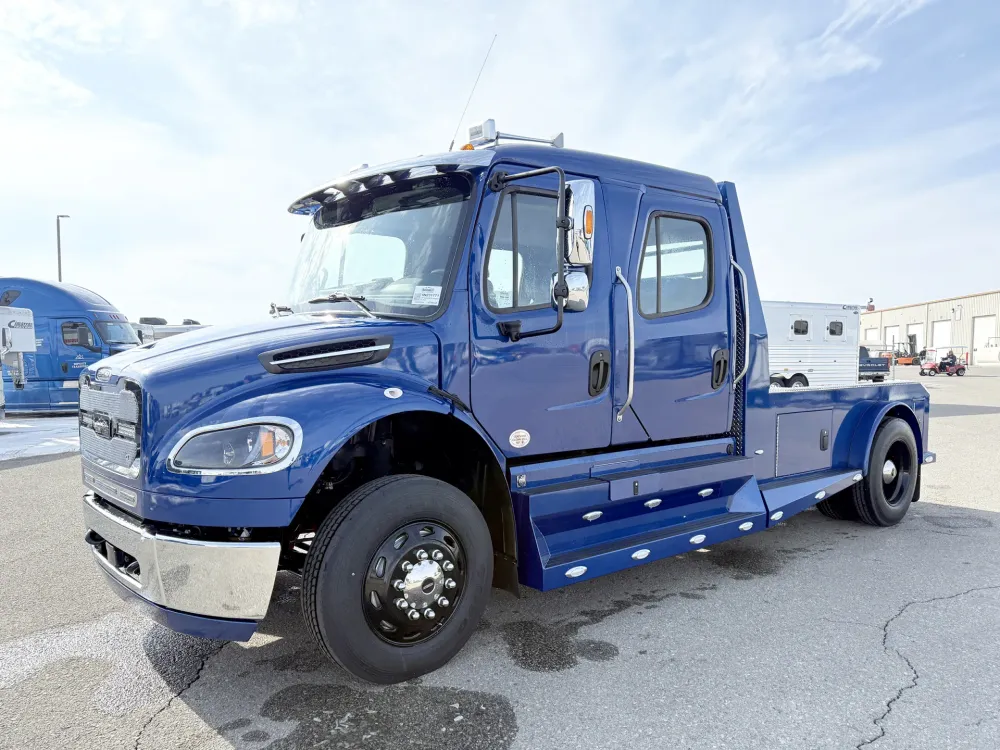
column 175, row 134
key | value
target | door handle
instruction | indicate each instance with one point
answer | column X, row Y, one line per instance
column 631, row 344
column 720, row 368
column 746, row 323
column 600, row 371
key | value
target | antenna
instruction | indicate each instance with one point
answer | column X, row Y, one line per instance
column 467, row 101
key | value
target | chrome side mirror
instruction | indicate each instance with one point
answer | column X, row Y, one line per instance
column 579, row 291
column 580, row 239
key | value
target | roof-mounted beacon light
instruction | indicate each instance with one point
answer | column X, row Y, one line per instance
column 486, row 133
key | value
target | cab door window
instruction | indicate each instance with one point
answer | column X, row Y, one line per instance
column 78, row 334
column 522, row 256
column 675, row 271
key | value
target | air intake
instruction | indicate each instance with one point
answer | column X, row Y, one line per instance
column 327, row 355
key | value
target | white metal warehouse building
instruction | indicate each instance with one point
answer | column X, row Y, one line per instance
column 969, row 322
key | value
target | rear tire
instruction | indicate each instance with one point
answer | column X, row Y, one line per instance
column 960, row 372
column 884, row 496
column 798, row 381
column 356, row 559
column 840, row 506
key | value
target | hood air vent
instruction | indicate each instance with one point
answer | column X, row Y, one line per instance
column 327, row 355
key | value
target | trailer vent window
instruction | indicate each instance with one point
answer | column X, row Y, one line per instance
column 836, row 328
column 800, row 327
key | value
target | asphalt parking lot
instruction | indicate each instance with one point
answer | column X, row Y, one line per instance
column 815, row 634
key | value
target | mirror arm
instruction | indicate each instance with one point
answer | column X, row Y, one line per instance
column 497, row 182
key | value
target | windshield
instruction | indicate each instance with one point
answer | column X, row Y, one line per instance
column 116, row 333
column 393, row 245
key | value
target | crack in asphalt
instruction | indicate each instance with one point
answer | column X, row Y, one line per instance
column 914, row 675
column 178, row 694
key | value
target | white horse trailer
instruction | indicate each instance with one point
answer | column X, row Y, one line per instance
column 812, row 344
column 17, row 338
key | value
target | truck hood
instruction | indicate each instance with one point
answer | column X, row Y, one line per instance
column 209, row 374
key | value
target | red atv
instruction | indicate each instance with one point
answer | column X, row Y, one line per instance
column 950, row 364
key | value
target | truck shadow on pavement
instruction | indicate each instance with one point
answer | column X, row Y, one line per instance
column 280, row 690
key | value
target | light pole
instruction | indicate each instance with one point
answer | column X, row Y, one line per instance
column 59, row 218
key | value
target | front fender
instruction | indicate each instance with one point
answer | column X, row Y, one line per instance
column 328, row 413
column 864, row 432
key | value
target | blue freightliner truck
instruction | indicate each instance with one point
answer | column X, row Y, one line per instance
column 515, row 365
column 74, row 328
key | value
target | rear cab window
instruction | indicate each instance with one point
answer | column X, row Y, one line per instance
column 675, row 271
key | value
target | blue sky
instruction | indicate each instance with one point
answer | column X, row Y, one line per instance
column 864, row 135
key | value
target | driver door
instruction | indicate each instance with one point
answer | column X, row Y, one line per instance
column 536, row 395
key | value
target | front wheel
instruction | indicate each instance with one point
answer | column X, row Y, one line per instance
column 398, row 577
column 960, row 372
column 798, row 381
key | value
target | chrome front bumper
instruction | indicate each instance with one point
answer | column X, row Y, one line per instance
column 231, row 580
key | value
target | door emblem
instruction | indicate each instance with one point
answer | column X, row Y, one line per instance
column 519, row 438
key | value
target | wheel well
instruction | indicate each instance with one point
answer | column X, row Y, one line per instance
column 906, row 414
column 421, row 442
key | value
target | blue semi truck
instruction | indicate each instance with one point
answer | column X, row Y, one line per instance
column 74, row 328
column 510, row 365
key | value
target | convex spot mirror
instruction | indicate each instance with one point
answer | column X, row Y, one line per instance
column 579, row 291
column 580, row 238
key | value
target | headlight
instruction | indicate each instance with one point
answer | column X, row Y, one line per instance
column 256, row 447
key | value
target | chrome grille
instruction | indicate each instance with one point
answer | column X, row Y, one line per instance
column 116, row 404
column 117, row 451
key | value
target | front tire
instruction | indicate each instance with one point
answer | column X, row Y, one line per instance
column 357, row 595
column 884, row 496
column 798, row 381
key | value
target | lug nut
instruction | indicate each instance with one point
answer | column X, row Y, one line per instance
column 402, row 603
column 398, row 584
column 421, row 554
column 429, row 613
column 437, row 555
column 450, row 583
column 443, row 602
column 407, row 566
column 448, row 566
column 414, row 615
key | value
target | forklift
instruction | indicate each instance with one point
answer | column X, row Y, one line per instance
column 906, row 353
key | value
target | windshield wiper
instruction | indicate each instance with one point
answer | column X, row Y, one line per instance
column 357, row 299
column 277, row 310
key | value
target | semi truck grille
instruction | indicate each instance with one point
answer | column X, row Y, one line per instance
column 117, row 451
column 110, row 424
column 120, row 404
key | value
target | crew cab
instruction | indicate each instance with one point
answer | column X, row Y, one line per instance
column 510, row 365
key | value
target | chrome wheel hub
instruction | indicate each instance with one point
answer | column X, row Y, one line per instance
column 423, row 584
column 414, row 582
column 889, row 472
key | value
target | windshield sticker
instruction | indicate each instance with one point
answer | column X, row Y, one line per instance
column 426, row 295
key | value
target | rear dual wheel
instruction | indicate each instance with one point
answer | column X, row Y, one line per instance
column 398, row 577
column 883, row 497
